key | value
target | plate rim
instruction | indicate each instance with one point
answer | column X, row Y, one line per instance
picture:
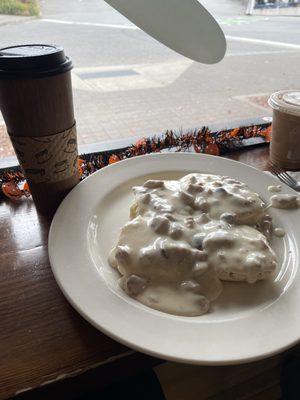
column 212, row 362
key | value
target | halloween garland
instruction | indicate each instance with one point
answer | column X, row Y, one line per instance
column 14, row 186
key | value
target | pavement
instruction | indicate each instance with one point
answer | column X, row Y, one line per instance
column 292, row 11
column 127, row 84
column 277, row 11
column 13, row 19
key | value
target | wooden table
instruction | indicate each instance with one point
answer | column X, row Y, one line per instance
column 42, row 339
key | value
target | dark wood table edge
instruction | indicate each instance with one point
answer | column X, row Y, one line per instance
column 94, row 379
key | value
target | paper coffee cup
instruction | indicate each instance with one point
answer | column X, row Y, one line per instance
column 37, row 106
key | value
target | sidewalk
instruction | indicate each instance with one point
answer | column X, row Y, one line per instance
column 278, row 11
column 5, row 145
column 6, row 149
column 13, row 19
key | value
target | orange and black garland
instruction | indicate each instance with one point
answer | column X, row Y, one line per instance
column 14, row 186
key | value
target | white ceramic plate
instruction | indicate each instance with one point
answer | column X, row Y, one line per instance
column 247, row 322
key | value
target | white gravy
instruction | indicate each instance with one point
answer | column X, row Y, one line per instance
column 185, row 236
column 279, row 232
column 274, row 188
column 286, row 201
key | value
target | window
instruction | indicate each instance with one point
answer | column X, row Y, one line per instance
column 126, row 84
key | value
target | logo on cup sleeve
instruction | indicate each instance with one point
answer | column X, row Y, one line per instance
column 43, row 156
column 50, row 158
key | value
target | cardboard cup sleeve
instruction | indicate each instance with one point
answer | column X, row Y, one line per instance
column 48, row 159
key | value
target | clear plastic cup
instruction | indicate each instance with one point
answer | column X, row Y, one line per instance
column 285, row 142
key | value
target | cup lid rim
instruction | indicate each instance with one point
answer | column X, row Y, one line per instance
column 287, row 101
column 33, row 60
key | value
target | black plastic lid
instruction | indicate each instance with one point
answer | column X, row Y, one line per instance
column 33, row 61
